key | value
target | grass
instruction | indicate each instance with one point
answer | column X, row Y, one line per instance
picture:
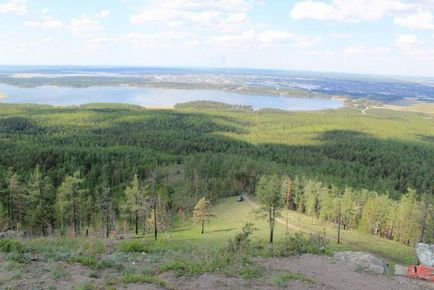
column 57, row 272
column 132, row 246
column 85, row 286
column 128, row 278
column 188, row 253
column 231, row 215
column 90, row 262
column 281, row 279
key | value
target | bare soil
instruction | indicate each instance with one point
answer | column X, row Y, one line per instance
column 320, row 272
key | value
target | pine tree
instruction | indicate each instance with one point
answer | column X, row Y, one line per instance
column 408, row 225
column 268, row 192
column 15, row 202
column 287, row 198
column 70, row 199
column 202, row 211
column 41, row 198
column 131, row 203
column 105, row 202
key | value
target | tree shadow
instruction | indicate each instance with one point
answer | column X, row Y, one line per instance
column 135, row 137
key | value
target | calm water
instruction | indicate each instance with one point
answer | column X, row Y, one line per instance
column 155, row 97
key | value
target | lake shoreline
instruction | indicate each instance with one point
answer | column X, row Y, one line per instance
column 157, row 98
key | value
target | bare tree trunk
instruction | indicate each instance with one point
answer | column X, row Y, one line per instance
column 154, row 181
column 271, row 220
column 74, row 216
column 61, row 220
column 339, row 225
column 11, row 211
column 137, row 222
column 107, row 225
column 144, row 223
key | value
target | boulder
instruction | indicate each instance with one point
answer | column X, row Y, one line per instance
column 362, row 261
column 400, row 270
column 12, row 234
column 425, row 253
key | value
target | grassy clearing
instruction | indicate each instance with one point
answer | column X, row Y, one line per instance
column 230, row 217
column 185, row 252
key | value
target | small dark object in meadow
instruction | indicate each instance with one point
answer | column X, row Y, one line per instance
column 240, row 198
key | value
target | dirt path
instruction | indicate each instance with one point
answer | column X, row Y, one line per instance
column 355, row 245
column 279, row 220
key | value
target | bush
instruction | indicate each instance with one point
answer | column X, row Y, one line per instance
column 242, row 240
column 133, row 246
column 88, row 261
column 17, row 251
column 8, row 246
column 300, row 244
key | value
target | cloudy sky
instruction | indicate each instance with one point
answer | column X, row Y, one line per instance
column 358, row 36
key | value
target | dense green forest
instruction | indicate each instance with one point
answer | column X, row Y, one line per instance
column 98, row 166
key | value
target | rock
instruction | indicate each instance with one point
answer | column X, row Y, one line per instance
column 400, row 270
column 425, row 253
column 12, row 234
column 363, row 261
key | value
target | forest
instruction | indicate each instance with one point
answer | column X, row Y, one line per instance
column 104, row 167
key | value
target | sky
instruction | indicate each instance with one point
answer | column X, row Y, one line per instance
column 393, row 37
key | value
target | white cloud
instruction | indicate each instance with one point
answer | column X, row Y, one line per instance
column 347, row 10
column 44, row 10
column 164, row 39
column 419, row 20
column 362, row 50
column 273, row 37
column 222, row 15
column 406, row 41
column 340, row 35
column 84, row 26
column 47, row 23
column 267, row 38
column 327, row 52
column 239, row 40
column 418, row 53
column 104, row 14
column 17, row 7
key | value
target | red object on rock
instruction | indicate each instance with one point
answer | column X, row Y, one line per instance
column 421, row 272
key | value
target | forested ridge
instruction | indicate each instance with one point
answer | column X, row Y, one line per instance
column 73, row 166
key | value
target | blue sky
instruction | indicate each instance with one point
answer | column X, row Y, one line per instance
column 358, row 36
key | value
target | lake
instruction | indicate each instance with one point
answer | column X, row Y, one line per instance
column 154, row 97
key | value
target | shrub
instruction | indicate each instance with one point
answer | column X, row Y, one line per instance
column 8, row 246
column 90, row 262
column 242, row 240
column 300, row 244
column 133, row 246
column 17, row 251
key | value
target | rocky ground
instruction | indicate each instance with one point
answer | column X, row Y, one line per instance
column 302, row 272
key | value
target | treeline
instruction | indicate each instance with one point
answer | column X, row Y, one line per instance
column 408, row 220
column 155, row 195
column 150, row 204
column 36, row 207
column 214, row 154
